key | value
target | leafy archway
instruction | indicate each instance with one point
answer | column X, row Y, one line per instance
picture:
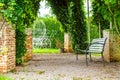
column 22, row 13
column 71, row 14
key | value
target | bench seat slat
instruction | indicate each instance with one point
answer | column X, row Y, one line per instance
column 99, row 39
column 95, row 49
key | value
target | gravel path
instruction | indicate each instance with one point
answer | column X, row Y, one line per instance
column 65, row 67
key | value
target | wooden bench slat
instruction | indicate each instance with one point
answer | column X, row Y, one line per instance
column 95, row 49
column 96, row 45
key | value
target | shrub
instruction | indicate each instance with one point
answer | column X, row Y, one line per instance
column 20, row 45
column 53, row 30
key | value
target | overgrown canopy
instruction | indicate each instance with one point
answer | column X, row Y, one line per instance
column 70, row 13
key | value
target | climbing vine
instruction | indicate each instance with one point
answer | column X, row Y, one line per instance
column 60, row 9
column 71, row 14
column 78, row 27
column 20, row 48
column 98, row 18
column 20, row 13
column 109, row 11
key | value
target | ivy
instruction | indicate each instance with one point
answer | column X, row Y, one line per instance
column 113, row 9
column 78, row 25
column 20, row 45
column 99, row 8
column 60, row 9
column 109, row 12
column 71, row 14
column 20, row 13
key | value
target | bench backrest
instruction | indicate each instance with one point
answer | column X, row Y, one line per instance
column 97, row 45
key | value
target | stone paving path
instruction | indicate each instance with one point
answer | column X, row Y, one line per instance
column 65, row 67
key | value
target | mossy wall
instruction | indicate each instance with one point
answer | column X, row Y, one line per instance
column 112, row 47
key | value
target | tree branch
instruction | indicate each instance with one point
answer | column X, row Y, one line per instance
column 2, row 25
column 115, row 24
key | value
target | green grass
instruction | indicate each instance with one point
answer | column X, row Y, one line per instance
column 5, row 78
column 45, row 51
column 95, row 54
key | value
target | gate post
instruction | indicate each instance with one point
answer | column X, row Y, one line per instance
column 107, row 46
column 28, row 54
column 8, row 48
column 67, row 43
column 112, row 47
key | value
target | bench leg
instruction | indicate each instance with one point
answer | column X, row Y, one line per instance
column 86, row 58
column 90, row 57
column 102, row 59
column 76, row 56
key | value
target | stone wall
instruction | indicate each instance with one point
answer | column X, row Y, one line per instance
column 107, row 45
column 112, row 48
column 7, row 48
column 28, row 55
column 67, row 43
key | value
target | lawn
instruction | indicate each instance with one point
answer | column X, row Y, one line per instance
column 5, row 78
column 45, row 51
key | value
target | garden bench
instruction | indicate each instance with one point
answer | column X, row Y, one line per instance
column 97, row 46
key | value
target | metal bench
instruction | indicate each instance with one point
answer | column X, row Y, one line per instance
column 97, row 46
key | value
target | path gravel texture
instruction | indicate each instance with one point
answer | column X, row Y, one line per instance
column 65, row 67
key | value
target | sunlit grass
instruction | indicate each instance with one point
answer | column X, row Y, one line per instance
column 95, row 54
column 5, row 78
column 45, row 51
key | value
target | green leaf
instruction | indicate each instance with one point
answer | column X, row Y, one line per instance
column 1, row 4
column 107, row 2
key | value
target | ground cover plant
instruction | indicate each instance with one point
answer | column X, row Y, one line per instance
column 45, row 51
column 5, row 78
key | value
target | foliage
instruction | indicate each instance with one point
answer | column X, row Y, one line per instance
column 78, row 25
column 97, row 8
column 5, row 78
column 20, row 45
column 20, row 13
column 53, row 30
column 70, row 13
column 110, row 11
column 60, row 9
column 114, row 8
column 93, row 32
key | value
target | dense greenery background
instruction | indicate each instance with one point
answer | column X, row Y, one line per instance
column 54, row 30
column 20, row 48
column 22, row 13
column 71, row 14
column 106, row 11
